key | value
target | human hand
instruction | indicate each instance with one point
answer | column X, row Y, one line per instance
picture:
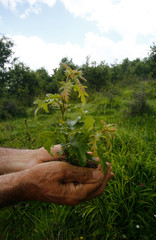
column 62, row 183
column 44, row 156
column 15, row 160
column 41, row 155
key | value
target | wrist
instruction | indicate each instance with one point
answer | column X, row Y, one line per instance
column 30, row 182
column 15, row 160
column 11, row 188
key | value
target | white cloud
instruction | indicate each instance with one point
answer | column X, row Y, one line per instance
column 102, row 48
column 34, row 5
column 10, row 4
column 128, row 17
column 50, row 3
column 36, row 53
column 32, row 9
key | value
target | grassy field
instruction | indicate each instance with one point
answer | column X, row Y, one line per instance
column 127, row 208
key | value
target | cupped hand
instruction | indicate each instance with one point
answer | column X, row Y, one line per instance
column 44, row 156
column 62, row 183
column 41, row 155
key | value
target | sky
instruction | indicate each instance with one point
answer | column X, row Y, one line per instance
column 45, row 31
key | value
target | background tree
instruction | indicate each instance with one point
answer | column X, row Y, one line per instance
column 6, row 59
column 97, row 76
column 152, row 60
column 59, row 75
column 115, row 73
column 19, row 83
column 46, row 82
column 22, row 84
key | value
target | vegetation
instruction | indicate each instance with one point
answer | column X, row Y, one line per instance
column 127, row 208
column 18, row 81
column 79, row 135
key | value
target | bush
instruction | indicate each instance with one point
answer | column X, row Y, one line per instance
column 139, row 105
column 11, row 108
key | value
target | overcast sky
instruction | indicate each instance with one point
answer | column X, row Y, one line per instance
column 45, row 31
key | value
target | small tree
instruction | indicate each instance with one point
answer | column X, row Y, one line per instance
column 22, row 83
column 78, row 136
column 6, row 59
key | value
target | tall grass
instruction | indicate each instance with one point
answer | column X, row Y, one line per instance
column 127, row 208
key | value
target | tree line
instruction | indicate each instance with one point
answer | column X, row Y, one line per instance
column 20, row 84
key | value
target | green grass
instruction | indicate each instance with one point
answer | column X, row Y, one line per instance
column 127, row 208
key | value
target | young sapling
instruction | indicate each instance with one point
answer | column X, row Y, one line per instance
column 78, row 136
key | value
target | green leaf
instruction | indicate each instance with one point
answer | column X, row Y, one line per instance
column 47, row 145
column 88, row 124
column 45, row 107
column 72, row 123
column 39, row 102
column 52, row 96
column 47, row 134
column 82, row 150
column 79, row 109
column 48, row 137
column 81, row 90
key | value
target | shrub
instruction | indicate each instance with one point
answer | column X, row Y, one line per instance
column 11, row 108
column 139, row 105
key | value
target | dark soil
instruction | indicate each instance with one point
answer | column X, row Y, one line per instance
column 90, row 163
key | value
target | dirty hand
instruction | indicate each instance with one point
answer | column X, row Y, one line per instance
column 62, row 183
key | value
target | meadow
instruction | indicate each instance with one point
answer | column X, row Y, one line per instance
column 126, row 210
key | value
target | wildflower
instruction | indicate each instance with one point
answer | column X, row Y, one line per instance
column 26, row 205
column 137, row 226
column 81, row 237
column 142, row 184
column 155, row 215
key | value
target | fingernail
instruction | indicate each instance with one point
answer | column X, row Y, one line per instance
column 96, row 174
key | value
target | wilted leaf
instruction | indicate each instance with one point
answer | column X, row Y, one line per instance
column 93, row 143
column 66, row 87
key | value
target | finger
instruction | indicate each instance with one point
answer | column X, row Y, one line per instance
column 90, row 153
column 108, row 175
column 81, row 174
column 99, row 165
column 97, row 160
column 56, row 152
column 84, row 192
column 44, row 156
column 87, row 181
column 78, row 193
